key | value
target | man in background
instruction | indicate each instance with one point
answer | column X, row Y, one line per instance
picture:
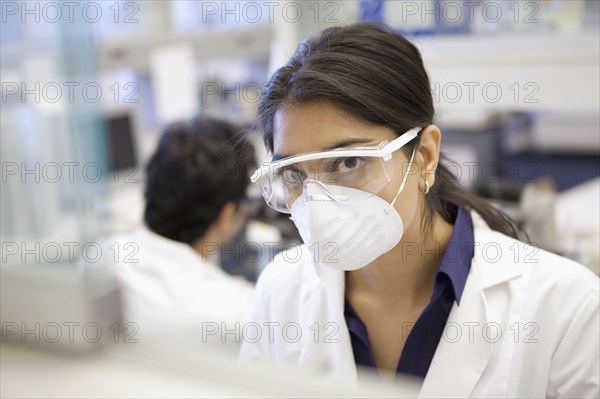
column 195, row 204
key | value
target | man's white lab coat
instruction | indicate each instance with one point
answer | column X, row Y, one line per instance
column 168, row 289
column 527, row 324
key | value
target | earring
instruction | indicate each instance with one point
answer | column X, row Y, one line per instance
column 426, row 186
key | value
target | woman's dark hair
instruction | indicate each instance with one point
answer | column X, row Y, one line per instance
column 196, row 169
column 372, row 72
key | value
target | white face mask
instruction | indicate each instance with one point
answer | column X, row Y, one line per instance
column 346, row 236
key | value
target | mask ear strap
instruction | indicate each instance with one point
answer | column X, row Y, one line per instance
column 412, row 157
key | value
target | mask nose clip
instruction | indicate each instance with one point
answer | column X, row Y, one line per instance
column 324, row 193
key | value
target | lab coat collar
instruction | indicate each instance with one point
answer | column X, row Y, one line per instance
column 322, row 307
column 492, row 251
column 443, row 380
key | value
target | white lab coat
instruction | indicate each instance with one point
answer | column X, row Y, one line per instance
column 168, row 289
column 527, row 324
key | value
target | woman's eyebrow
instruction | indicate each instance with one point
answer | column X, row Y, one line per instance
column 348, row 142
column 339, row 144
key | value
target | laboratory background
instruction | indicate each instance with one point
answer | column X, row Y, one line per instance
column 88, row 88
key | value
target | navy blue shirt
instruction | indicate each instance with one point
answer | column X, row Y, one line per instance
column 423, row 339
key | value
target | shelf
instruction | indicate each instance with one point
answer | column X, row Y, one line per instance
column 535, row 72
column 133, row 53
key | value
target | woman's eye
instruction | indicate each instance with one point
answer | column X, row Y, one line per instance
column 291, row 176
column 349, row 164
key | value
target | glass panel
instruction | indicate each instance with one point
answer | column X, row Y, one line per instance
column 53, row 155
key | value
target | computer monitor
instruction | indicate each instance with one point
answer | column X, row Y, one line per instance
column 120, row 142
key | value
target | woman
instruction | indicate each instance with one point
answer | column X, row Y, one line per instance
column 403, row 270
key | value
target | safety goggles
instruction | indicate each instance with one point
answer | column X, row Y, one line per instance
column 366, row 169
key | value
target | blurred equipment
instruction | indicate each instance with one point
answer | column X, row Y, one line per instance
column 138, row 370
column 174, row 79
column 55, row 307
column 566, row 133
column 121, row 150
column 63, row 330
column 538, row 204
column 563, row 145
column 577, row 223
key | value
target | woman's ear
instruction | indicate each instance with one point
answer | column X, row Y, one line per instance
column 429, row 148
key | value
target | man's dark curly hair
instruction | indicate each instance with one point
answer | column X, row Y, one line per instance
column 196, row 169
